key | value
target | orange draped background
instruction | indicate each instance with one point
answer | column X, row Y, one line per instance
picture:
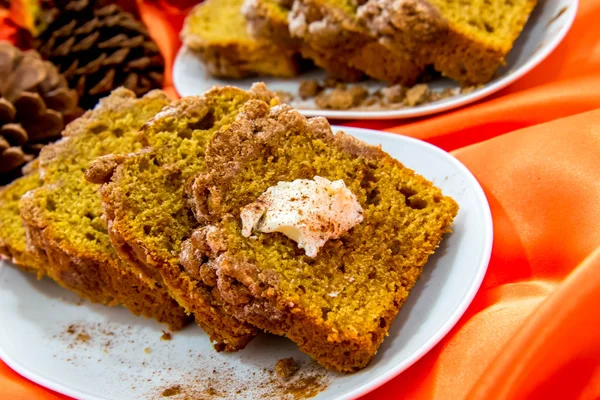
column 533, row 330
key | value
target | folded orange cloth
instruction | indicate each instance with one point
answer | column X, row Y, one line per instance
column 533, row 330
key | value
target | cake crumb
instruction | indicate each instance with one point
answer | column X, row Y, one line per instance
column 394, row 94
column 334, row 95
column 359, row 94
column 342, row 98
column 336, row 99
column 448, row 92
column 166, row 336
column 417, row 94
column 284, row 97
column 470, row 89
column 309, row 89
column 286, row 368
column 147, row 350
column 331, row 82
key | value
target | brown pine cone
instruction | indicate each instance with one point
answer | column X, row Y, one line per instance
column 35, row 105
column 98, row 47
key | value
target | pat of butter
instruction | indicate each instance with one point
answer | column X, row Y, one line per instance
column 308, row 211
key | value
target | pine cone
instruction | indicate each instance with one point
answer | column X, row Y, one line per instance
column 35, row 105
column 98, row 48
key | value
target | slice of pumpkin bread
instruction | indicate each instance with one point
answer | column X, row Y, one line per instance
column 268, row 19
column 147, row 210
column 215, row 30
column 63, row 217
column 13, row 243
column 332, row 27
column 338, row 305
column 466, row 41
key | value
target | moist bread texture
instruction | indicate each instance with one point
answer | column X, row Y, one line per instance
column 466, row 41
column 147, row 210
column 13, row 243
column 331, row 27
column 268, row 19
column 63, row 217
column 338, row 306
column 216, row 31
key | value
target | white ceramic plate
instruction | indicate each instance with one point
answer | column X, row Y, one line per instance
column 112, row 362
column 547, row 26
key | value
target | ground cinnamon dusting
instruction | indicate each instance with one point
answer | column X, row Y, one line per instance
column 303, row 381
column 83, row 337
column 172, row 391
column 288, row 379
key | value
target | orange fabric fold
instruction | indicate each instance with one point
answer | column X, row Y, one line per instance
column 533, row 330
column 566, row 83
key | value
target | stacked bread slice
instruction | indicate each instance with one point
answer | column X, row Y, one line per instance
column 146, row 208
column 52, row 220
column 338, row 305
column 268, row 20
column 466, row 41
column 216, row 32
column 390, row 40
column 141, row 204
column 222, row 150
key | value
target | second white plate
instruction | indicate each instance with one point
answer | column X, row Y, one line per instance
column 547, row 26
column 89, row 351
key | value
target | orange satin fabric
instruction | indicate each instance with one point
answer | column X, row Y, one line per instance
column 533, row 330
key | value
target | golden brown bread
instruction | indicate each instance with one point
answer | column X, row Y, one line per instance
column 338, row 306
column 145, row 204
column 63, row 216
column 215, row 30
column 466, row 41
column 332, row 28
column 268, row 19
column 13, row 243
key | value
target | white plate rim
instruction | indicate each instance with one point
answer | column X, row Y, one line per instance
column 431, row 108
column 41, row 379
column 469, row 295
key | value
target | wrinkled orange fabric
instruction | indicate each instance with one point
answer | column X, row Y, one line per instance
column 533, row 330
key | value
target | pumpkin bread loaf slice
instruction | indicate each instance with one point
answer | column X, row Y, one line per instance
column 268, row 19
column 466, row 41
column 332, row 27
column 63, row 217
column 338, row 305
column 13, row 243
column 216, row 31
column 146, row 206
